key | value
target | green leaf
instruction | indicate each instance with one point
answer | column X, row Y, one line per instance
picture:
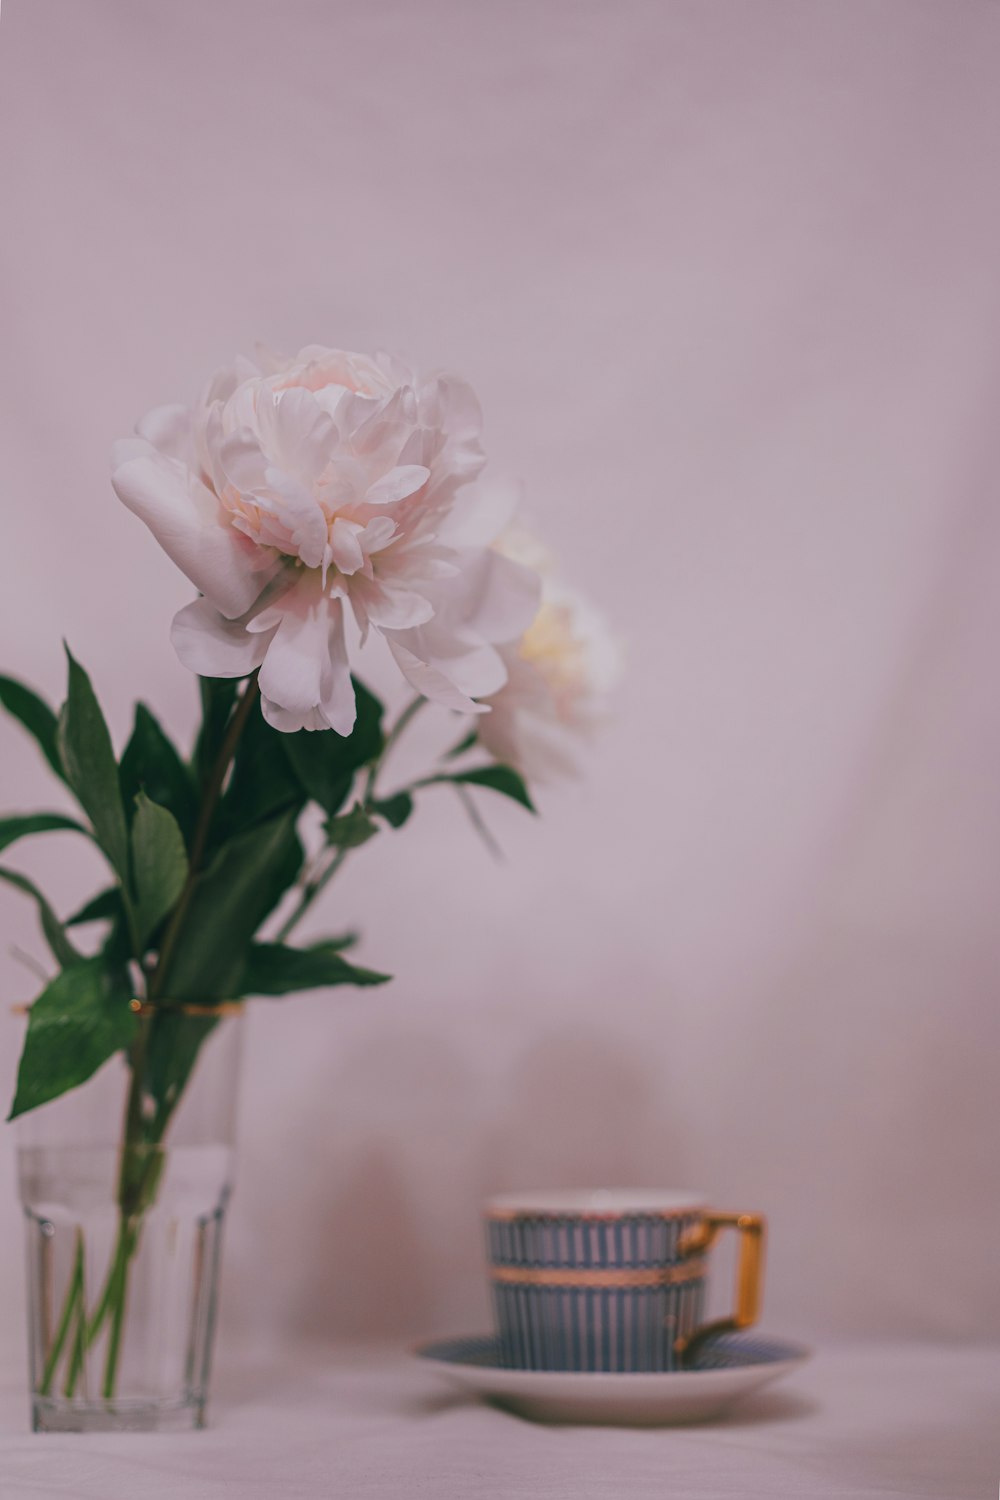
column 338, row 944
column 106, row 906
column 55, row 935
column 282, row 874
column 467, row 744
column 274, row 969
column 175, row 1040
column 74, row 1026
column 351, row 829
column 159, row 864
column 19, row 826
column 228, row 903
column 503, row 779
column 89, row 762
column 262, row 783
column 218, row 695
column 117, row 947
column 36, row 717
column 151, row 764
column 326, row 763
column 395, row 810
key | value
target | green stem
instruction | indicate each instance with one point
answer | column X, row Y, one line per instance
column 119, row 1283
column 138, row 1180
column 476, row 819
column 69, row 1307
column 319, row 883
column 80, row 1337
column 406, row 717
column 104, row 1302
column 309, row 894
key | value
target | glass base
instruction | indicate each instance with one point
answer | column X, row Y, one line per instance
column 57, row 1414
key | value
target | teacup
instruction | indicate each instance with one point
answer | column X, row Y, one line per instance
column 609, row 1279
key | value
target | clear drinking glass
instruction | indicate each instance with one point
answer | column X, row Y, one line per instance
column 124, row 1238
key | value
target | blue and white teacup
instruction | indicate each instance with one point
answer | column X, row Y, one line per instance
column 611, row 1280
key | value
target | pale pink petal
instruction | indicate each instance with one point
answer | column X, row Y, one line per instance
column 344, row 547
column 377, row 534
column 382, row 433
column 479, row 513
column 209, row 644
column 461, row 655
column 539, row 749
column 431, row 682
column 183, row 516
column 292, row 672
column 558, row 676
column 338, row 702
column 243, row 462
column 504, row 597
column 297, row 509
column 295, row 432
column 449, row 408
column 477, row 672
column 290, row 721
column 389, row 605
column 422, row 565
column 306, row 677
column 401, row 481
column 297, row 524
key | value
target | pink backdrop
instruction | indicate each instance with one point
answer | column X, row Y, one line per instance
column 725, row 276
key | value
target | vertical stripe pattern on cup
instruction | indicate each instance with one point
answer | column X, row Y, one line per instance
column 597, row 1327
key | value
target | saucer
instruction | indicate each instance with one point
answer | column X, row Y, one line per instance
column 725, row 1370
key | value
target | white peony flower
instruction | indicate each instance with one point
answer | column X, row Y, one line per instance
column 558, row 675
column 296, row 489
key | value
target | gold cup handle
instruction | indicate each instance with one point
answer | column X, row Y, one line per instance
column 752, row 1230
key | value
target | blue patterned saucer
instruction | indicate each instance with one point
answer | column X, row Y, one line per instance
column 724, row 1370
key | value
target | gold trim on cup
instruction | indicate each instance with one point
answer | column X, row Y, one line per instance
column 611, row 1277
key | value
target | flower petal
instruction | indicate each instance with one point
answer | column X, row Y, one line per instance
column 344, row 546
column 403, row 480
column 431, row 682
column 504, row 597
column 338, row 705
column 183, row 516
column 295, row 432
column 292, row 671
column 388, row 605
column 209, row 644
column 305, row 681
column 480, row 512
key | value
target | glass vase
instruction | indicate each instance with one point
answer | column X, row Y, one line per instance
column 124, row 1184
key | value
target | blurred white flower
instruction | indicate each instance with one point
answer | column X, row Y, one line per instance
column 297, row 488
column 558, row 676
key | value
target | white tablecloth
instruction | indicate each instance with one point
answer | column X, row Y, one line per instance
column 858, row 1422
